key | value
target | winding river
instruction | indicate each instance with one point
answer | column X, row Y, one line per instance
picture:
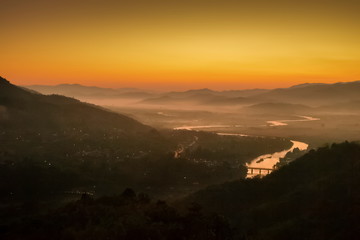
column 284, row 122
column 267, row 160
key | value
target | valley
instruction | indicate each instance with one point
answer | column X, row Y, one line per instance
column 179, row 120
column 55, row 148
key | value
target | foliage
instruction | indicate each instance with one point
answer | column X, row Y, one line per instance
column 53, row 145
column 314, row 197
column 127, row 216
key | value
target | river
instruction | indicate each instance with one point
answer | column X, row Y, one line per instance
column 196, row 128
column 267, row 160
column 273, row 123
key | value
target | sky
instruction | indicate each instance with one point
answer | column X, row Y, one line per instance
column 179, row 44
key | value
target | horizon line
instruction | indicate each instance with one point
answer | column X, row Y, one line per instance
column 188, row 89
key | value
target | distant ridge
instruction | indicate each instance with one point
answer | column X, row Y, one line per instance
column 3, row 81
column 320, row 84
column 271, row 107
column 81, row 91
column 306, row 85
column 314, row 94
column 28, row 109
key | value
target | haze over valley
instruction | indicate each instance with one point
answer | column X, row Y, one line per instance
column 168, row 145
column 315, row 113
column 179, row 120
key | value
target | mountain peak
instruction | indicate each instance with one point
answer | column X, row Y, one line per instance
column 202, row 90
column 307, row 84
column 4, row 81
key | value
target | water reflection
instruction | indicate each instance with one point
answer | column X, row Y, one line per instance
column 268, row 161
column 274, row 123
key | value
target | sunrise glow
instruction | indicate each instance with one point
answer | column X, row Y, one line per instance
column 179, row 44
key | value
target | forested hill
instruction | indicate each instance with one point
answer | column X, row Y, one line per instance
column 128, row 216
column 52, row 144
column 34, row 123
column 315, row 197
column 27, row 109
column 314, row 94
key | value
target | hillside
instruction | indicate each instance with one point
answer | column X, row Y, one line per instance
column 278, row 108
column 128, row 216
column 197, row 98
column 49, row 112
column 50, row 144
column 314, row 94
column 80, row 91
column 314, row 197
column 53, row 144
column 343, row 107
column 194, row 96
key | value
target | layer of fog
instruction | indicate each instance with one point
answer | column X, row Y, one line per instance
column 278, row 112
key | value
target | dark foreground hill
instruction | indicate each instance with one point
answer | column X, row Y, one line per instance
column 315, row 197
column 53, row 143
column 128, row 216
column 20, row 107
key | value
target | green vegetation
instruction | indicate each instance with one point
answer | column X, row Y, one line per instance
column 52, row 146
column 128, row 216
column 315, row 197
column 290, row 156
column 55, row 149
column 231, row 150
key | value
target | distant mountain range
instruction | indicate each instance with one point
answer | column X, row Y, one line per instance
column 80, row 91
column 52, row 144
column 34, row 110
column 283, row 108
column 311, row 94
column 314, row 94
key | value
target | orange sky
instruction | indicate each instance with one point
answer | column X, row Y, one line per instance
column 179, row 44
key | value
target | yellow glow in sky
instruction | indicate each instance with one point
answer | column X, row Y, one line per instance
column 179, row 44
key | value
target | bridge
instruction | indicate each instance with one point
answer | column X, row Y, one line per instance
column 259, row 170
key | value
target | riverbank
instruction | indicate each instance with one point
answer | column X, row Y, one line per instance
column 265, row 161
column 269, row 160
